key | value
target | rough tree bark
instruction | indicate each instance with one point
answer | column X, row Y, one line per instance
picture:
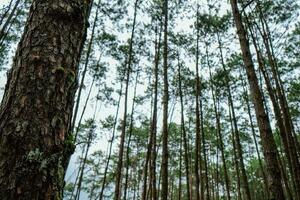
column 268, row 143
column 37, row 106
column 9, row 19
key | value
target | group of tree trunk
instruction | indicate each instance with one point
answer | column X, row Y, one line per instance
column 41, row 122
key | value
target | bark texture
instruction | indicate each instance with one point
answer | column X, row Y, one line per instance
column 268, row 143
column 37, row 105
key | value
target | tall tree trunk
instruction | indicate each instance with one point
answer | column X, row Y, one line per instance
column 198, row 136
column 220, row 141
column 129, row 137
column 180, row 167
column 8, row 20
column 164, row 162
column 124, row 122
column 218, row 125
column 88, row 145
column 151, row 149
column 85, row 69
column 5, row 11
column 238, row 144
column 285, row 180
column 154, row 116
column 85, row 106
column 205, row 176
column 37, row 105
column 74, row 189
column 6, row 33
column 276, row 108
column 245, row 184
column 268, row 143
column 217, row 174
column 288, row 124
column 183, row 129
column 235, row 156
column 109, row 154
column 254, row 137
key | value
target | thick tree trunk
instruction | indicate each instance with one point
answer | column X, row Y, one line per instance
column 287, row 122
column 8, row 20
column 37, row 106
column 268, row 143
column 276, row 108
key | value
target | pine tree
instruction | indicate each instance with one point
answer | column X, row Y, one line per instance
column 37, row 105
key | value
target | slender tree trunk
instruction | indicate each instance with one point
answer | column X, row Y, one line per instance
column 110, row 145
column 164, row 163
column 8, row 20
column 285, row 180
column 5, row 13
column 154, row 117
column 268, row 143
column 238, row 144
column 84, row 107
column 198, row 136
column 288, row 124
column 218, row 125
column 205, row 176
column 78, row 191
column 186, row 158
column 151, row 149
column 85, row 69
column 220, row 143
column 77, row 177
column 217, row 174
column 254, row 137
column 279, row 119
column 129, row 137
column 236, row 131
column 180, row 167
column 5, row 34
column 123, row 132
column 37, row 105
column 235, row 156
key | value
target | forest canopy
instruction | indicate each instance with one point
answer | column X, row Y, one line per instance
column 150, row 99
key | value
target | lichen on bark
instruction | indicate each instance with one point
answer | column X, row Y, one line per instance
column 37, row 105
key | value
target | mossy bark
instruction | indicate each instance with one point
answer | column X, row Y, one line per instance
column 37, row 105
